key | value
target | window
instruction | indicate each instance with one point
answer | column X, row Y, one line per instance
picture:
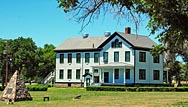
column 116, row 44
column 116, row 56
column 96, row 57
column 86, row 70
column 78, row 57
column 69, row 58
column 142, row 56
column 127, row 74
column 77, row 73
column 69, row 74
column 156, row 59
column 156, row 74
column 105, row 57
column 116, row 74
column 61, row 74
column 96, row 79
column 95, row 70
column 61, row 58
column 165, row 76
column 86, row 57
column 127, row 56
column 142, row 74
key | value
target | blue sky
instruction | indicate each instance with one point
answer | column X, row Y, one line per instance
column 42, row 21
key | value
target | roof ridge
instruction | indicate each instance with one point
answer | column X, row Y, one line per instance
column 133, row 34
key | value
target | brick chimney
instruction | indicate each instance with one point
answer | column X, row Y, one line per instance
column 127, row 30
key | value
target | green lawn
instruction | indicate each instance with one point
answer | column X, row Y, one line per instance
column 63, row 97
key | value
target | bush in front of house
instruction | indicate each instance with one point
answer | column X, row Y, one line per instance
column 137, row 89
column 1, row 88
column 37, row 87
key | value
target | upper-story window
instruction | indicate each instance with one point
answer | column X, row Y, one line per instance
column 69, row 58
column 116, row 56
column 116, row 44
column 78, row 57
column 142, row 56
column 127, row 56
column 96, row 57
column 61, row 58
column 105, row 57
column 156, row 59
column 86, row 71
column 87, row 57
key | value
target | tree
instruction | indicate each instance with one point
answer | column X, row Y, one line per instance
column 2, row 61
column 23, row 56
column 162, row 13
column 183, row 71
column 32, row 62
column 47, row 60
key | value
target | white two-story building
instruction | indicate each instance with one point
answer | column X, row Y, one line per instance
column 113, row 59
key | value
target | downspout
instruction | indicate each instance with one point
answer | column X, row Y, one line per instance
column 99, row 58
column 99, row 69
column 82, row 69
column 149, row 67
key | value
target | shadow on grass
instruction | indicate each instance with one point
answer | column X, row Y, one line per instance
column 182, row 104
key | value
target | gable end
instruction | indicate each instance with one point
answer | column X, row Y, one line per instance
column 111, row 37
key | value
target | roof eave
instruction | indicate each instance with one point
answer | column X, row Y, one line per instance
column 142, row 48
column 77, row 50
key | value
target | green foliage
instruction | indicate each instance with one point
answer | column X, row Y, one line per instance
column 183, row 71
column 138, row 89
column 157, row 49
column 37, row 87
column 33, row 62
column 47, row 60
column 1, row 88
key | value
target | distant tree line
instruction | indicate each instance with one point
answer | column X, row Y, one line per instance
column 32, row 62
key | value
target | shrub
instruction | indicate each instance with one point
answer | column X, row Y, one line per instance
column 37, row 87
column 1, row 88
column 137, row 89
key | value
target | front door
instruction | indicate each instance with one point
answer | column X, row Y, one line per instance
column 87, row 81
column 106, row 77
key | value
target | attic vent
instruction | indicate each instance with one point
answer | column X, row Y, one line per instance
column 85, row 35
column 107, row 33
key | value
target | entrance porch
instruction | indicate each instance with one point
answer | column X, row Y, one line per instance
column 113, row 74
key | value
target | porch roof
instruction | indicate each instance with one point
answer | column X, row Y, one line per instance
column 114, row 64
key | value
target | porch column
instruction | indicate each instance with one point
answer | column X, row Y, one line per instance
column 124, row 75
column 92, row 75
column 113, row 76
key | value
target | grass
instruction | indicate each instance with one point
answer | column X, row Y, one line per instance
column 63, row 97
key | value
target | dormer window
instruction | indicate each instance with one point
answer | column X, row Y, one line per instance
column 116, row 44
